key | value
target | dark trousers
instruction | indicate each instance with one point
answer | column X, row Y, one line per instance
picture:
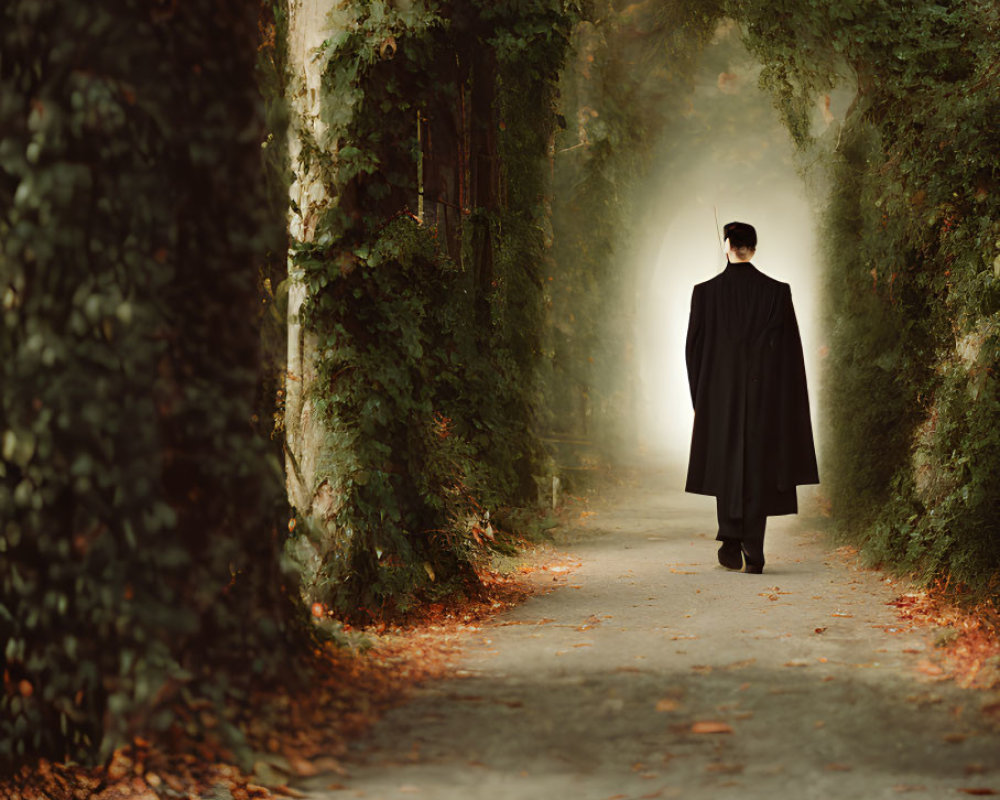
column 748, row 530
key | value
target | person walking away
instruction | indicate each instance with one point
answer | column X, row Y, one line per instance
column 752, row 441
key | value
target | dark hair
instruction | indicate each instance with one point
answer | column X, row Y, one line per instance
column 740, row 234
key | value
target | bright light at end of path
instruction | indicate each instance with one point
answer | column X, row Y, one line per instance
column 685, row 252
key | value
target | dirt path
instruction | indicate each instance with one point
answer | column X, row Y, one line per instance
column 593, row 691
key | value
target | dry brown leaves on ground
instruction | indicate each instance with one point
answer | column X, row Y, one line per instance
column 296, row 730
column 969, row 641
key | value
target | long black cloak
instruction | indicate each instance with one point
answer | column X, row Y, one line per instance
column 752, row 442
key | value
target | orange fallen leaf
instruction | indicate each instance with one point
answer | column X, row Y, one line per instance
column 667, row 704
column 711, row 727
column 288, row 791
column 929, row 668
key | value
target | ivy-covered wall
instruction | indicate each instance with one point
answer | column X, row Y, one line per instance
column 139, row 509
column 423, row 282
column 912, row 251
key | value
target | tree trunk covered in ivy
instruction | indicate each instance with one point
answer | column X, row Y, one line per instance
column 310, row 151
column 138, row 507
column 421, row 289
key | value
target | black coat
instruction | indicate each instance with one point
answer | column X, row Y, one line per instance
column 752, row 442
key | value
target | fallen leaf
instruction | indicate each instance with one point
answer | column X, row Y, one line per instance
column 955, row 738
column 667, row 704
column 288, row 791
column 978, row 790
column 302, row 767
column 929, row 668
column 711, row 727
column 797, row 662
column 819, row 630
column 840, row 614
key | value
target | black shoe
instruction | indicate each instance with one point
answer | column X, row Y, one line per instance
column 754, row 566
column 731, row 555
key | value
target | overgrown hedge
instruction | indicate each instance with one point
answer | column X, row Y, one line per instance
column 138, row 508
column 912, row 245
column 424, row 287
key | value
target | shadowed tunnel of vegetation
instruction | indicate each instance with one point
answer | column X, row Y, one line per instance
column 469, row 198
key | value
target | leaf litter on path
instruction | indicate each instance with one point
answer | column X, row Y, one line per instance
column 711, row 726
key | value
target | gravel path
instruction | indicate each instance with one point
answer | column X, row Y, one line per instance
column 600, row 688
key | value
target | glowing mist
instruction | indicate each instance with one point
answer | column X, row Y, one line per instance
column 737, row 157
